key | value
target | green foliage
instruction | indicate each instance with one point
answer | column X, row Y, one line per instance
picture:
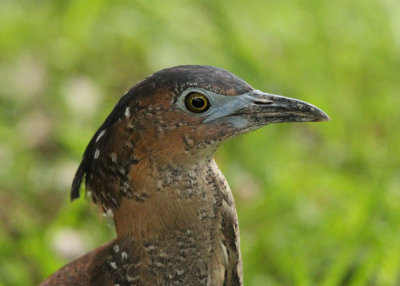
column 318, row 203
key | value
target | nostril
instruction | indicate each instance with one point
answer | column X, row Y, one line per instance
column 263, row 102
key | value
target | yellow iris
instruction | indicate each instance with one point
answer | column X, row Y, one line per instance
column 197, row 102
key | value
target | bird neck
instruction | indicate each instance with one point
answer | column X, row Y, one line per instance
column 169, row 198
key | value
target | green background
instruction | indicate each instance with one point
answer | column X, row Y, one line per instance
column 318, row 203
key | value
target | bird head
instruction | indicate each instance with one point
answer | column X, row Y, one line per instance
column 181, row 114
column 189, row 110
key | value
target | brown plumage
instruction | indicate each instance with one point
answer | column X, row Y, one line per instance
column 151, row 166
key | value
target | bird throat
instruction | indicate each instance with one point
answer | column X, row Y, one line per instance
column 171, row 199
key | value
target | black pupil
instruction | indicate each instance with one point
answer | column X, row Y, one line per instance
column 198, row 102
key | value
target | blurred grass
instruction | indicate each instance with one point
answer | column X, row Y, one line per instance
column 318, row 203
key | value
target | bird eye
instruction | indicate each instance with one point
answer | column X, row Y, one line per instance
column 197, row 102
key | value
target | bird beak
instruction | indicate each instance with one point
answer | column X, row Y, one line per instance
column 255, row 109
column 275, row 108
